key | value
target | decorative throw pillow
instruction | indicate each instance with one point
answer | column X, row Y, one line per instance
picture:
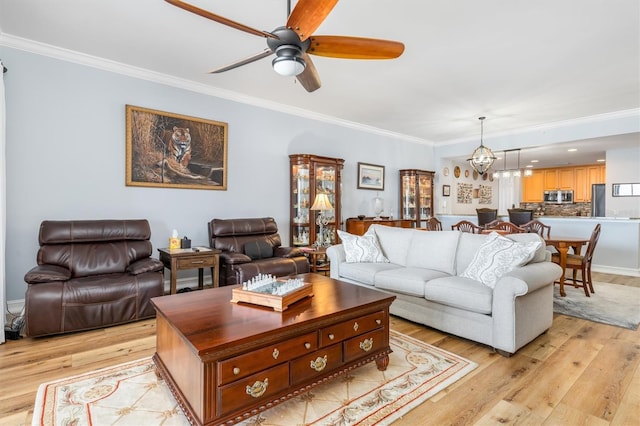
column 497, row 256
column 362, row 249
column 258, row 249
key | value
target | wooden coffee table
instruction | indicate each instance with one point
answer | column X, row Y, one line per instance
column 225, row 362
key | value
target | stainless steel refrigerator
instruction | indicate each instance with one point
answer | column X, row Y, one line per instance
column 598, row 191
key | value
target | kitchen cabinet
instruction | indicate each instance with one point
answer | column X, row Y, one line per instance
column 312, row 175
column 533, row 187
column 579, row 179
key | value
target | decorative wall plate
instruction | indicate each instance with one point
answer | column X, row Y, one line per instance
column 456, row 171
column 466, row 173
column 445, row 171
column 491, row 177
column 485, row 176
column 475, row 175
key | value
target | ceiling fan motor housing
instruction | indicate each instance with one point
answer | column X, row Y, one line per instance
column 288, row 49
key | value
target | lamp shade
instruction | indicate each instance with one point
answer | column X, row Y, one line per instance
column 321, row 203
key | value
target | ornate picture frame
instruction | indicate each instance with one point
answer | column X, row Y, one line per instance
column 170, row 150
column 370, row 176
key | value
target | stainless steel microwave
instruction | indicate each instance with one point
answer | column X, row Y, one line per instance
column 558, row 197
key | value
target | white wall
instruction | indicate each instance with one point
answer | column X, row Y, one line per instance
column 623, row 166
column 66, row 157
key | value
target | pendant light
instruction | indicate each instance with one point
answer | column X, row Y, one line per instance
column 482, row 158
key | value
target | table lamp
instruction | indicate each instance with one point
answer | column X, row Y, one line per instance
column 322, row 204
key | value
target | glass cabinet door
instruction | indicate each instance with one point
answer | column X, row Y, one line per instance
column 425, row 191
column 300, row 204
column 408, row 197
column 416, row 195
column 312, row 175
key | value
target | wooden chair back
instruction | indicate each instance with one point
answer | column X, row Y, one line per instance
column 537, row 227
column 433, row 224
column 466, row 226
column 507, row 226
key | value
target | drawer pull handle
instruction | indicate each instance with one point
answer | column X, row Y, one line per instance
column 258, row 388
column 236, row 370
column 307, row 345
column 197, row 262
column 331, row 336
column 355, row 326
column 378, row 321
column 319, row 364
column 275, row 353
column 367, row 344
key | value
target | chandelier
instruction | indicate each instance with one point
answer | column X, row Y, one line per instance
column 482, row 158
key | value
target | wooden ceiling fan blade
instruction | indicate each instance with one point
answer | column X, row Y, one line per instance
column 220, row 19
column 354, row 47
column 248, row 60
column 309, row 78
column 307, row 16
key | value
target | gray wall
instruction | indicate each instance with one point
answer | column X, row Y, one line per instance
column 66, row 157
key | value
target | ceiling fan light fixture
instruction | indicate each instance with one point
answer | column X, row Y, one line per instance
column 482, row 157
column 288, row 60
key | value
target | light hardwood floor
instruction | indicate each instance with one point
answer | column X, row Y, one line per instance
column 578, row 373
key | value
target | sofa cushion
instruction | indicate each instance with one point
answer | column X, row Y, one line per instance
column 497, row 256
column 365, row 272
column 459, row 292
column 361, row 248
column 258, row 249
column 406, row 280
column 434, row 250
column 394, row 242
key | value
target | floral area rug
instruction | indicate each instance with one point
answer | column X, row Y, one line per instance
column 131, row 394
column 611, row 304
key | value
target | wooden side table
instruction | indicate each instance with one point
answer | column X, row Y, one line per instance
column 316, row 256
column 198, row 257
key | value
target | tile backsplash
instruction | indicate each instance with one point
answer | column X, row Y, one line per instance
column 575, row 209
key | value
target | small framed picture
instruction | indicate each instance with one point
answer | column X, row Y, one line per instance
column 446, row 190
column 370, row 176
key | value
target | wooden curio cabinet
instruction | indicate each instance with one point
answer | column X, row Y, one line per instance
column 312, row 175
column 416, row 196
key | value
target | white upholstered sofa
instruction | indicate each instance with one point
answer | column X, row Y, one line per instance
column 426, row 271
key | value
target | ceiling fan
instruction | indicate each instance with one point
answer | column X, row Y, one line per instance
column 293, row 43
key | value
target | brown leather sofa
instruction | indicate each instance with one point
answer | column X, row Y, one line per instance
column 251, row 247
column 91, row 274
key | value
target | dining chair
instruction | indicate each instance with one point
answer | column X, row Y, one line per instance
column 486, row 215
column 433, row 224
column 583, row 263
column 537, row 227
column 505, row 226
column 466, row 226
column 520, row 216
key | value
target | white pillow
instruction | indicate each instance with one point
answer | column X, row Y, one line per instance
column 361, row 249
column 497, row 256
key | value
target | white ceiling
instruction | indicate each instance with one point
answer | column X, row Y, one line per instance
column 521, row 64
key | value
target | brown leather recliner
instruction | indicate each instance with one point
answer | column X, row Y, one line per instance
column 91, row 274
column 251, row 247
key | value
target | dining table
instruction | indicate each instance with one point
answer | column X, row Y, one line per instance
column 562, row 244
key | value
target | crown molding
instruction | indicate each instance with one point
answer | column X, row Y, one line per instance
column 180, row 83
column 581, row 121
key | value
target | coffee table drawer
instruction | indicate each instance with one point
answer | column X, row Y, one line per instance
column 351, row 328
column 316, row 364
column 253, row 388
column 362, row 345
column 241, row 366
column 192, row 262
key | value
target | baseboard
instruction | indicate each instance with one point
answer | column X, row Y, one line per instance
column 615, row 271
